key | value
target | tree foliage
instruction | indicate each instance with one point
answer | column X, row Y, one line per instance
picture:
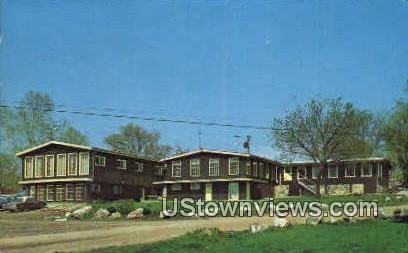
column 135, row 140
column 396, row 139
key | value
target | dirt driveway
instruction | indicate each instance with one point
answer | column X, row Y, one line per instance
column 85, row 235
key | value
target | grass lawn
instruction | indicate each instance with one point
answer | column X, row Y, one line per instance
column 366, row 236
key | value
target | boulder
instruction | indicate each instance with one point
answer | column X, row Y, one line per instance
column 68, row 215
column 403, row 192
column 387, row 199
column 399, row 197
column 80, row 213
column 115, row 215
column 401, row 215
column 255, row 228
column 136, row 214
column 102, row 213
column 280, row 223
column 313, row 220
column 61, row 220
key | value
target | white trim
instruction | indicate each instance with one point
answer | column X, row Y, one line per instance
column 362, row 169
column 125, row 163
column 199, row 167
column 32, row 167
column 80, row 163
column 212, row 180
column 337, row 172
column 68, row 164
column 140, row 166
column 233, row 159
column 217, row 161
column 35, row 166
column 52, row 142
column 343, row 160
column 64, row 169
column 100, row 158
column 314, row 167
column 345, row 171
column 178, row 163
column 47, row 189
column 207, row 151
column 301, row 168
column 46, row 164
column 56, row 180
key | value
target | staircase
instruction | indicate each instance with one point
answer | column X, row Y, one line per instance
column 308, row 185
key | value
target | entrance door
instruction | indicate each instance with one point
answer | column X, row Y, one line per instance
column 208, row 191
column 233, row 191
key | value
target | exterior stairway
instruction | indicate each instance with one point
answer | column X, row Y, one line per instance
column 308, row 185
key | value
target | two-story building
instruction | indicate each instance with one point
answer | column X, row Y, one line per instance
column 217, row 175
column 57, row 171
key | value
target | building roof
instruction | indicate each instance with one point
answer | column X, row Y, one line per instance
column 81, row 147
column 340, row 160
column 198, row 151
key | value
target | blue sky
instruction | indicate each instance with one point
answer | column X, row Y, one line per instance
column 242, row 62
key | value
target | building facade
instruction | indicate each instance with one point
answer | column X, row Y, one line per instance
column 217, row 175
column 57, row 171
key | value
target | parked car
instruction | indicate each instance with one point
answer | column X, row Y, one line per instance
column 24, row 204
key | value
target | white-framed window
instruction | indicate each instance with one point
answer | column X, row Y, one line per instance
column 333, row 172
column 72, row 164
column 255, row 169
column 176, row 169
column 41, row 193
column 70, row 192
column 315, row 172
column 60, row 193
column 267, row 171
column 100, row 161
column 195, row 167
column 39, row 166
column 122, row 164
column 287, row 174
column 49, row 165
column 301, row 173
column 176, row 187
column 50, row 193
column 84, row 163
column 261, row 169
column 366, row 169
column 32, row 191
column 28, row 167
column 350, row 170
column 79, row 192
column 233, row 166
column 61, row 164
column 213, row 167
column 195, row 186
column 159, row 170
column 248, row 168
column 139, row 166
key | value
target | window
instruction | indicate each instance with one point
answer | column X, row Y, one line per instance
column 28, row 171
column 268, row 168
column 70, row 192
column 213, row 167
column 287, row 175
column 100, row 161
column 350, row 170
column 117, row 189
column 315, row 172
column 176, row 169
column 49, row 165
column 366, row 169
column 255, row 169
column 233, row 166
column 61, row 165
column 50, row 193
column 195, row 167
column 59, row 193
column 79, row 192
column 139, row 167
column 195, row 186
column 39, row 166
column 301, row 173
column 159, row 170
column 248, row 168
column 333, row 171
column 32, row 191
column 176, row 187
column 84, row 163
column 41, row 193
column 122, row 164
column 72, row 164
column 261, row 169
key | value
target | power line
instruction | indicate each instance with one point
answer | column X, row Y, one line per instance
column 144, row 118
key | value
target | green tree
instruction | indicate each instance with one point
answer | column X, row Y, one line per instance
column 396, row 139
column 71, row 135
column 134, row 139
column 321, row 130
